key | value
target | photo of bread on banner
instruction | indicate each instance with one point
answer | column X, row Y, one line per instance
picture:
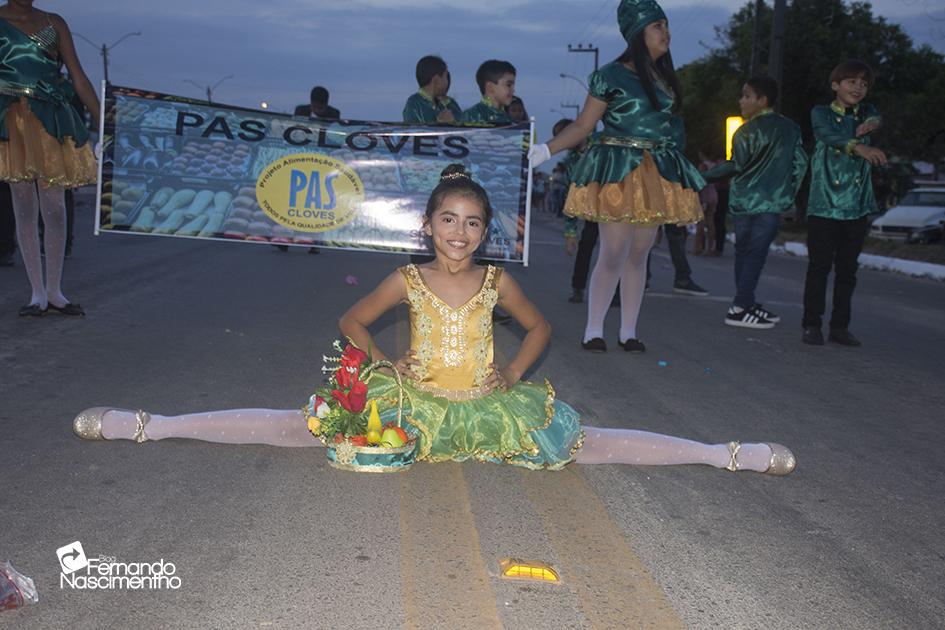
column 183, row 212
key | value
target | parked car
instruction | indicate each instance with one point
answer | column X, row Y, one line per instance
column 918, row 218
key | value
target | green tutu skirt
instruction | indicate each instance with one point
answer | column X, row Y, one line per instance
column 524, row 426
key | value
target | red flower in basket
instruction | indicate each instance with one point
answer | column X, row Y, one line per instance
column 355, row 399
column 353, row 357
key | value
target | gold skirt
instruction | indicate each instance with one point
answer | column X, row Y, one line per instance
column 643, row 197
column 32, row 154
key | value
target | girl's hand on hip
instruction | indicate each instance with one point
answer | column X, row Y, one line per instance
column 501, row 379
column 405, row 365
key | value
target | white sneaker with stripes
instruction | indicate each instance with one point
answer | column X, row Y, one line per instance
column 766, row 314
column 746, row 318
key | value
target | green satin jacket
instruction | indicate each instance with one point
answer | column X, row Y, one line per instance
column 631, row 126
column 422, row 108
column 27, row 70
column 485, row 112
column 768, row 164
column 840, row 185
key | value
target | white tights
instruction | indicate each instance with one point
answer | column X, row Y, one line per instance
column 286, row 427
column 26, row 207
column 622, row 258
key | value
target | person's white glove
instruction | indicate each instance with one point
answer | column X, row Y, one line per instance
column 97, row 150
column 538, row 153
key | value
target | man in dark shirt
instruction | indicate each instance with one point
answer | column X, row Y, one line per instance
column 318, row 106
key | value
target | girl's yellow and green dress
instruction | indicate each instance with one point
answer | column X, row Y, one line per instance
column 455, row 418
column 42, row 137
column 634, row 171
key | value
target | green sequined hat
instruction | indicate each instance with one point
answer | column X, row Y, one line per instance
column 634, row 15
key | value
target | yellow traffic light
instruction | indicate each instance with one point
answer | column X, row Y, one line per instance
column 731, row 124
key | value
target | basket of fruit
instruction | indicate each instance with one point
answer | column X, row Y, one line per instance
column 340, row 415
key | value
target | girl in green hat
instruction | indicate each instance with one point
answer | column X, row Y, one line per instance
column 633, row 176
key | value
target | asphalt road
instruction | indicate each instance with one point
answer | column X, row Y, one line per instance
column 269, row 537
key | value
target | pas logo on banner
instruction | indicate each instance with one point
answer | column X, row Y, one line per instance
column 177, row 167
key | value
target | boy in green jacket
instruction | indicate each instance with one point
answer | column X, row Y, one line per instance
column 841, row 197
column 768, row 165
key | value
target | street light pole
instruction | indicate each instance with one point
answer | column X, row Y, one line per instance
column 591, row 48
column 106, row 49
column 577, row 108
column 571, row 76
column 209, row 88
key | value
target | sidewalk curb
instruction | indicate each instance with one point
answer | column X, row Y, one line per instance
column 872, row 261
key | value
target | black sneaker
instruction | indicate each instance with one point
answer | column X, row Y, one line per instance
column 843, row 337
column 633, row 345
column 763, row 312
column 689, row 288
column 595, row 345
column 577, row 296
column 746, row 318
column 812, row 336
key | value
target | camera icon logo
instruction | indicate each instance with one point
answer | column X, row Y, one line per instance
column 72, row 557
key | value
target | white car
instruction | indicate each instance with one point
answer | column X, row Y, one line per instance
column 919, row 217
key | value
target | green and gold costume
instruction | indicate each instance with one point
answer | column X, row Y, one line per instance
column 456, row 419
column 634, row 171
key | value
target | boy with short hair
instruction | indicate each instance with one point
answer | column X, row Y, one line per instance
column 431, row 104
column 496, row 81
column 768, row 165
column 841, row 197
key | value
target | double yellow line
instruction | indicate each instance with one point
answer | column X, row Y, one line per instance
column 447, row 583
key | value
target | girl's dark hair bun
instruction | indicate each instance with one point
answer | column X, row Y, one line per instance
column 454, row 171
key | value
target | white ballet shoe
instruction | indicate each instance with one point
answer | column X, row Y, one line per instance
column 782, row 460
column 88, row 424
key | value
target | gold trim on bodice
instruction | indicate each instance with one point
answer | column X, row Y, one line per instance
column 452, row 345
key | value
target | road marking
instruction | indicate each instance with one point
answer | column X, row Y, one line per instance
column 593, row 557
column 446, row 584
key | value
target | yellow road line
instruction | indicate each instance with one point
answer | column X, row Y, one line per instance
column 593, row 557
column 446, row 584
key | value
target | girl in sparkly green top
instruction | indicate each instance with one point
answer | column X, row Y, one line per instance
column 42, row 141
column 633, row 176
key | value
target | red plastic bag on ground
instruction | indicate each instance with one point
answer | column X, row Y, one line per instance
column 16, row 589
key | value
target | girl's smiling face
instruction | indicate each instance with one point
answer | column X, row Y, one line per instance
column 457, row 227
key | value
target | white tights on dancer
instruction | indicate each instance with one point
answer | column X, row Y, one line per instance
column 286, row 427
column 622, row 258
column 26, row 207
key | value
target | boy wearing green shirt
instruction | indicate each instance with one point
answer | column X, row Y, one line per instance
column 841, row 197
column 496, row 81
column 768, row 165
column 431, row 104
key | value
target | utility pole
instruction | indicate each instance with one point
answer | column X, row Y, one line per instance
column 106, row 49
column 776, row 52
column 754, row 66
column 209, row 88
column 591, row 48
